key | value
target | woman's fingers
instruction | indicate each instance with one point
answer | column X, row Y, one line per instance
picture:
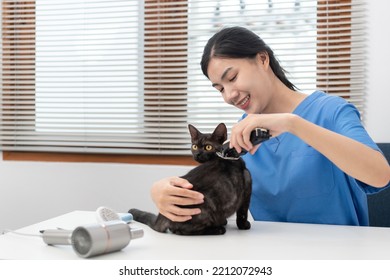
column 178, row 214
column 174, row 197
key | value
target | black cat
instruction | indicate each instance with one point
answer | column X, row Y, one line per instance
column 225, row 184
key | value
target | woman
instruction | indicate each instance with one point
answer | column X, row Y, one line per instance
column 320, row 163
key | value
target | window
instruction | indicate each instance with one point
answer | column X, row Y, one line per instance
column 123, row 77
column 87, row 67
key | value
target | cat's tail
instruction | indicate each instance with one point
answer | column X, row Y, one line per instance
column 149, row 219
column 143, row 217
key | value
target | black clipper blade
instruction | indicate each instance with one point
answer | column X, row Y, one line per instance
column 257, row 136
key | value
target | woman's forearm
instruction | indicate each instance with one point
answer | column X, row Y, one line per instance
column 354, row 158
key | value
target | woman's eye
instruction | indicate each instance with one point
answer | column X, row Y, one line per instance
column 194, row 147
column 232, row 79
column 208, row 147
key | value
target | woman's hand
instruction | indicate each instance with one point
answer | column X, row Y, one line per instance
column 170, row 193
column 275, row 123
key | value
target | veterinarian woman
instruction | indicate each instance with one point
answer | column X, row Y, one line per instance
column 320, row 163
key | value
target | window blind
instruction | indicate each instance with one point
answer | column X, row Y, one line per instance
column 124, row 76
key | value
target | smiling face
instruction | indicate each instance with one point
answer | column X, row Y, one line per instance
column 243, row 83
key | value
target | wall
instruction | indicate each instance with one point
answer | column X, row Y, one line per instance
column 34, row 191
column 377, row 117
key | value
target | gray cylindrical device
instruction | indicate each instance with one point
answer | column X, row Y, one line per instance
column 94, row 239
column 57, row 236
column 98, row 239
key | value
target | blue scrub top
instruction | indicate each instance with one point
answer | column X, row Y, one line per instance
column 292, row 182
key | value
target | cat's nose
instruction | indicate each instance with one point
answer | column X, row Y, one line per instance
column 201, row 159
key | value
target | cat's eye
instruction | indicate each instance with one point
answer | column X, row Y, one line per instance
column 208, row 147
column 194, row 147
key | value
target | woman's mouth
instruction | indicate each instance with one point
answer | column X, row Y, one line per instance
column 244, row 103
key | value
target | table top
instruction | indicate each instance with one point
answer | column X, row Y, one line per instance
column 265, row 240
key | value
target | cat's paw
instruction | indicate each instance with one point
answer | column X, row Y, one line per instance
column 220, row 230
column 243, row 225
column 215, row 230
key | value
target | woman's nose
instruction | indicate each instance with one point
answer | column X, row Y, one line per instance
column 231, row 95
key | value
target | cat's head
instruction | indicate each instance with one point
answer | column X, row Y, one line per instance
column 205, row 145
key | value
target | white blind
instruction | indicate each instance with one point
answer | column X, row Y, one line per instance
column 124, row 76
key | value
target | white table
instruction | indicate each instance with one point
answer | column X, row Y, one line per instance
column 264, row 241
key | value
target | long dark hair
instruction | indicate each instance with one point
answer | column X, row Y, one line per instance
column 239, row 42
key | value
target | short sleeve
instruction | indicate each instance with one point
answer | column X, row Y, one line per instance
column 347, row 122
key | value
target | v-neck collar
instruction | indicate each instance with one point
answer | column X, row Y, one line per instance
column 306, row 102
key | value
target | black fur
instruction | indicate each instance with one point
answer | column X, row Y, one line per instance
column 225, row 184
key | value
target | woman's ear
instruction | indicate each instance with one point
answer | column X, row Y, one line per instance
column 263, row 58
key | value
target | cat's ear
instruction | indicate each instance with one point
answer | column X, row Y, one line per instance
column 220, row 132
column 193, row 131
